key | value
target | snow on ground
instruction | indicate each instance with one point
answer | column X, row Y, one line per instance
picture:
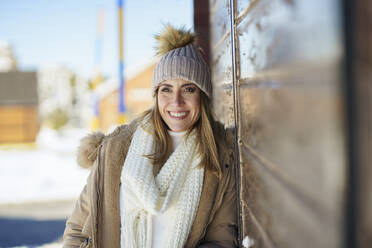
column 47, row 172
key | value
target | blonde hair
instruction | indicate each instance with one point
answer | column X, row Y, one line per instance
column 207, row 148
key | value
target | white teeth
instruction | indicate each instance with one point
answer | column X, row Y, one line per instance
column 179, row 114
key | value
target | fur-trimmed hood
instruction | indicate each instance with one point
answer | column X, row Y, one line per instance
column 88, row 148
column 87, row 151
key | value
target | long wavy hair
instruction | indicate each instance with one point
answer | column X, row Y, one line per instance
column 206, row 145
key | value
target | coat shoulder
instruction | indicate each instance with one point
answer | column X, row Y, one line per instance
column 88, row 148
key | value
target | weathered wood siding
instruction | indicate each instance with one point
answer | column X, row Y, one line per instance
column 137, row 98
column 18, row 123
column 277, row 76
column 19, row 115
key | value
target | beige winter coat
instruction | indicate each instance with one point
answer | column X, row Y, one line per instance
column 95, row 221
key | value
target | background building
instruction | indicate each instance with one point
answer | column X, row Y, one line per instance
column 19, row 116
column 137, row 97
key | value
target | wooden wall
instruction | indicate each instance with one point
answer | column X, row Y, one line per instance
column 138, row 92
column 137, row 98
column 18, row 123
column 108, row 111
column 277, row 75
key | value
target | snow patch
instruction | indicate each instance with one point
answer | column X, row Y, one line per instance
column 49, row 172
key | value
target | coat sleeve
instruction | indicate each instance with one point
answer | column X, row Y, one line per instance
column 75, row 234
column 223, row 230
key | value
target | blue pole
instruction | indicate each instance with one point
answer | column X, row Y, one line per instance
column 122, row 108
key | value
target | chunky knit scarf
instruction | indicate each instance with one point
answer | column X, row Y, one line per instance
column 175, row 191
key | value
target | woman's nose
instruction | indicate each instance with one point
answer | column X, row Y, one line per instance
column 177, row 98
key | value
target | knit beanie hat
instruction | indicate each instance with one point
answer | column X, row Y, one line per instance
column 181, row 59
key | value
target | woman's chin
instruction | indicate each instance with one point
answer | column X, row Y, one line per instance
column 178, row 129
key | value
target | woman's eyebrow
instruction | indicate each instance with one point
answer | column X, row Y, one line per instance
column 188, row 84
column 167, row 85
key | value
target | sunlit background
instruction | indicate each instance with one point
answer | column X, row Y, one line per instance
column 60, row 79
column 293, row 77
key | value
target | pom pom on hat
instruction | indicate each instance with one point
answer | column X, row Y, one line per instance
column 171, row 38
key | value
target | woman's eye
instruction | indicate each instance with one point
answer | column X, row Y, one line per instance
column 164, row 89
column 190, row 89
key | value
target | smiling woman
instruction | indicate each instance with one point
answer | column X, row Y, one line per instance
column 167, row 178
column 179, row 104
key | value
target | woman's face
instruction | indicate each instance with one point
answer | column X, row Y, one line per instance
column 179, row 104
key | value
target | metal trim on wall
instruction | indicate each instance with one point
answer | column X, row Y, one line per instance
column 236, row 115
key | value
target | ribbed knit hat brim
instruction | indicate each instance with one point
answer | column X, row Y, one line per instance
column 183, row 63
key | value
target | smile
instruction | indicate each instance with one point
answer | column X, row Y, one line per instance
column 178, row 114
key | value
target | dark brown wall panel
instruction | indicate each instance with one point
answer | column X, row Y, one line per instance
column 362, row 82
column 364, row 214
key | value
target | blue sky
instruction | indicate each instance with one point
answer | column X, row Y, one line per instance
column 51, row 33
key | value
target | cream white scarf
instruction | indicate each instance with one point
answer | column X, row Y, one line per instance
column 175, row 190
